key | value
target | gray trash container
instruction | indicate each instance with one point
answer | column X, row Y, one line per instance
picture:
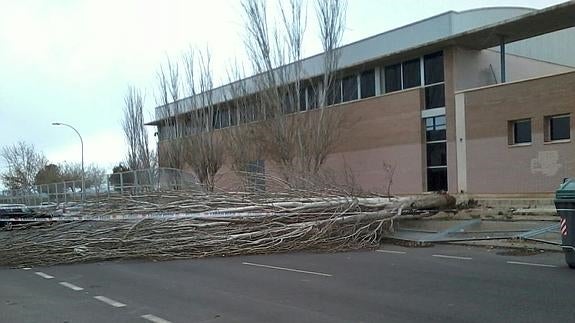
column 565, row 205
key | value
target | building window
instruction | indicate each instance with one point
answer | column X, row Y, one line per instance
column 435, row 96
column 302, row 98
column 249, row 113
column 367, row 80
column 411, row 74
column 433, row 68
column 437, row 179
column 312, row 97
column 349, row 85
column 558, row 127
column 435, row 128
column 520, row 131
column 392, row 78
column 436, row 153
column 334, row 93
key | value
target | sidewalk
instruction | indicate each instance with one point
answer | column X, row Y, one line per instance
column 496, row 228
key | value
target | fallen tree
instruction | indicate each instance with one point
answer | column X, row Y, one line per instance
column 213, row 224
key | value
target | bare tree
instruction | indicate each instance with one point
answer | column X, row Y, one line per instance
column 270, row 50
column 172, row 127
column 23, row 162
column 71, row 173
column 135, row 132
column 242, row 143
column 298, row 144
column 204, row 146
column 187, row 129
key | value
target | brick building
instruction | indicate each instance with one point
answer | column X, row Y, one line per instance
column 480, row 101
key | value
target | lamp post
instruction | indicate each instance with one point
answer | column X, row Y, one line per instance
column 82, row 145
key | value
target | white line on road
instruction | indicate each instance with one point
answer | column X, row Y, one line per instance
column 43, row 275
column 109, row 301
column 26, row 268
column 530, row 264
column 71, row 286
column 155, row 319
column 392, row 251
column 452, row 257
column 287, row 269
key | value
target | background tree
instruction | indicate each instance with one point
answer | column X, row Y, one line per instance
column 50, row 174
column 135, row 132
column 23, row 163
column 121, row 177
column 71, row 173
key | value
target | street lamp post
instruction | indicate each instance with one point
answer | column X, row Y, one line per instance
column 82, row 145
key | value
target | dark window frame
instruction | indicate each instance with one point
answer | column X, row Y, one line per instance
column 408, row 68
column 435, row 128
column 392, row 76
column 517, row 126
column 367, row 84
column 435, row 96
column 349, row 88
column 553, row 134
column 433, row 72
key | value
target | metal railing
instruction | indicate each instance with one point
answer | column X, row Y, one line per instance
column 125, row 183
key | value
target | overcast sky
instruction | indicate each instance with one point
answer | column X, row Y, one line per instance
column 71, row 60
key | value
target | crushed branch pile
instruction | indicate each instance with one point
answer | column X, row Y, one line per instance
column 213, row 225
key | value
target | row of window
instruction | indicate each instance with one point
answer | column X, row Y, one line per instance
column 557, row 127
column 426, row 71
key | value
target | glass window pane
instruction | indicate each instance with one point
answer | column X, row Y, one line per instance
column 433, row 68
column 393, row 78
column 522, row 131
column 334, row 93
column 437, row 154
column 435, row 128
column 233, row 116
column 435, row 96
column 224, row 117
column 560, row 127
column 368, row 84
column 437, row 179
column 216, row 119
column 311, row 97
column 411, row 74
column 349, row 88
column 302, row 98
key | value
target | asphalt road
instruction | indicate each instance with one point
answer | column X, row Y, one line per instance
column 395, row 284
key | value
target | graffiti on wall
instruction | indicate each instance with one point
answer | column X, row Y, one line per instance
column 546, row 163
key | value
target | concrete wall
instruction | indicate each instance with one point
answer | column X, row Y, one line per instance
column 477, row 68
column 385, row 129
column 494, row 166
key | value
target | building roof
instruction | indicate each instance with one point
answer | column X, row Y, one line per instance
column 476, row 29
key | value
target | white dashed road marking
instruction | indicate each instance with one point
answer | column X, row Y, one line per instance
column 71, row 286
column 452, row 257
column 26, row 268
column 287, row 269
column 530, row 264
column 109, row 301
column 155, row 319
column 392, row 251
column 43, row 275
